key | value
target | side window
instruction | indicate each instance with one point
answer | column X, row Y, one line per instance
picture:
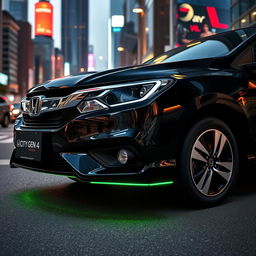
column 246, row 57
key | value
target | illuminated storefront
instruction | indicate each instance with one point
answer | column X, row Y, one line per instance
column 166, row 24
column 196, row 19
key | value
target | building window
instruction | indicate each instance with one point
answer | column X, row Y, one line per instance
column 253, row 2
column 244, row 6
column 235, row 12
column 233, row 1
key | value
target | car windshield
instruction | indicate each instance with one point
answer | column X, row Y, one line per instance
column 215, row 46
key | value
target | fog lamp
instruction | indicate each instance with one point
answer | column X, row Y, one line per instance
column 122, row 156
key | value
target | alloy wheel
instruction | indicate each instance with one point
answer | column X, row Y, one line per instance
column 211, row 162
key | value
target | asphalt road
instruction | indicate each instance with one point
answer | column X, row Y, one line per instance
column 52, row 215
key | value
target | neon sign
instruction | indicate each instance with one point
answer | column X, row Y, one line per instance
column 195, row 21
column 44, row 19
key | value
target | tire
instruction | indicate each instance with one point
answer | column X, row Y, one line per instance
column 6, row 121
column 209, row 162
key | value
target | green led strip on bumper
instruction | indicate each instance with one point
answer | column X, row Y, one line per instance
column 133, row 184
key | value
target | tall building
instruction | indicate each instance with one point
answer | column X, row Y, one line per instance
column 43, row 42
column 129, row 35
column 25, row 58
column 10, row 51
column 43, row 59
column 75, row 27
column 243, row 13
column 17, row 8
column 59, row 63
column 117, row 14
column 3, row 77
column 1, row 36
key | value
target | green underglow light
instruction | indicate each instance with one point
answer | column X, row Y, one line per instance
column 133, row 184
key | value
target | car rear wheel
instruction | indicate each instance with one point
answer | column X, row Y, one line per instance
column 209, row 161
column 6, row 121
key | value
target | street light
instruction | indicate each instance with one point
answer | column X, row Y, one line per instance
column 138, row 9
column 120, row 49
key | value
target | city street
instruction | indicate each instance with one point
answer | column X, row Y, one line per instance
column 51, row 215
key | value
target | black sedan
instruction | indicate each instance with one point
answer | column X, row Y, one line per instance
column 187, row 116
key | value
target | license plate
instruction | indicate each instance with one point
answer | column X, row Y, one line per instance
column 28, row 145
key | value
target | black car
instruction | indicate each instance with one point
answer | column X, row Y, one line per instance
column 4, row 112
column 186, row 116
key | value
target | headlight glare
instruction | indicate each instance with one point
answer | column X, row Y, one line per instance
column 16, row 111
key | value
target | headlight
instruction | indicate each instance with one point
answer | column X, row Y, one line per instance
column 127, row 94
column 117, row 95
column 15, row 111
column 90, row 105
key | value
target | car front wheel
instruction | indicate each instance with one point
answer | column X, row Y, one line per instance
column 6, row 121
column 209, row 161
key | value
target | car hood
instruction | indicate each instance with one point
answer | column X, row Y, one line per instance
column 123, row 75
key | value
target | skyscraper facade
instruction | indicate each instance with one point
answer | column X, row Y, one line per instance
column 10, row 51
column 75, row 27
column 25, row 58
column 1, row 31
column 43, row 42
column 129, row 35
column 59, row 63
column 43, row 59
column 117, row 9
column 243, row 13
column 17, row 8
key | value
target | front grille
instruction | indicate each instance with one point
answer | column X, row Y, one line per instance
column 50, row 120
column 57, row 165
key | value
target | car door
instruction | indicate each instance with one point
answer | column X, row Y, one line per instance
column 246, row 62
column 2, row 109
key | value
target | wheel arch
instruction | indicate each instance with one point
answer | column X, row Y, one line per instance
column 228, row 111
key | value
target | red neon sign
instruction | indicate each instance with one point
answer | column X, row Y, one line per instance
column 184, row 9
column 214, row 19
column 195, row 28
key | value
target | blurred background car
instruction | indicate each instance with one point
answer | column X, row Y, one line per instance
column 14, row 111
column 4, row 112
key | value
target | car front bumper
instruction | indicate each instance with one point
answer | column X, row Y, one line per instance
column 86, row 147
